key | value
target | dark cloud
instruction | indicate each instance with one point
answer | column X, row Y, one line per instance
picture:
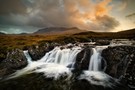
column 107, row 22
column 84, row 14
column 11, row 6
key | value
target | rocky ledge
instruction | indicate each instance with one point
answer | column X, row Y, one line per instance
column 15, row 60
column 121, row 63
column 82, row 59
column 38, row 51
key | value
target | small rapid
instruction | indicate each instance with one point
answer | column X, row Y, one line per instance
column 29, row 59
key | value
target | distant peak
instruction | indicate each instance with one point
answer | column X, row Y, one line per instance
column 2, row 33
column 56, row 30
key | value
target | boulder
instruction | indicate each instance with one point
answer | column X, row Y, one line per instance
column 38, row 51
column 15, row 60
column 121, row 63
column 83, row 58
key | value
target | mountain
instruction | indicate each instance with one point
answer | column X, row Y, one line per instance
column 1, row 33
column 23, row 33
column 58, row 30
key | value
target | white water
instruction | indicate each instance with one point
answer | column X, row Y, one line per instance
column 48, row 69
column 98, row 78
column 64, row 57
column 57, row 63
column 29, row 59
column 95, row 60
column 60, row 61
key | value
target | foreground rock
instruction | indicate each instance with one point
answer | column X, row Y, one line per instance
column 40, row 82
column 82, row 59
column 121, row 63
column 15, row 60
column 38, row 51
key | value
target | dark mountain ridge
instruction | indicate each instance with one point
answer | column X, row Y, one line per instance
column 76, row 31
column 57, row 30
column 1, row 33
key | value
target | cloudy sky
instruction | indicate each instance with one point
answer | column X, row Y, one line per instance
column 18, row 16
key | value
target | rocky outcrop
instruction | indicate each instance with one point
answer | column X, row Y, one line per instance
column 38, row 51
column 15, row 60
column 121, row 63
column 102, row 42
column 83, row 58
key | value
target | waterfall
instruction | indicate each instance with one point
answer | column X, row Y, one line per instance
column 59, row 62
column 29, row 59
column 55, row 63
column 65, row 56
column 95, row 60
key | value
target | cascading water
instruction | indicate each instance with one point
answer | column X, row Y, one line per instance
column 63, row 57
column 55, row 63
column 29, row 59
column 95, row 60
column 59, row 62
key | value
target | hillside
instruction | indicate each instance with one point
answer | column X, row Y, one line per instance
column 58, row 30
column 128, row 34
column 131, row 31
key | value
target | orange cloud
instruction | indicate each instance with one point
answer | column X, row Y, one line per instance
column 85, row 14
column 102, row 8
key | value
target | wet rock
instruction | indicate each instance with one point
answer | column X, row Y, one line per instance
column 37, row 81
column 85, row 85
column 121, row 63
column 83, row 58
column 102, row 42
column 15, row 60
column 38, row 51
